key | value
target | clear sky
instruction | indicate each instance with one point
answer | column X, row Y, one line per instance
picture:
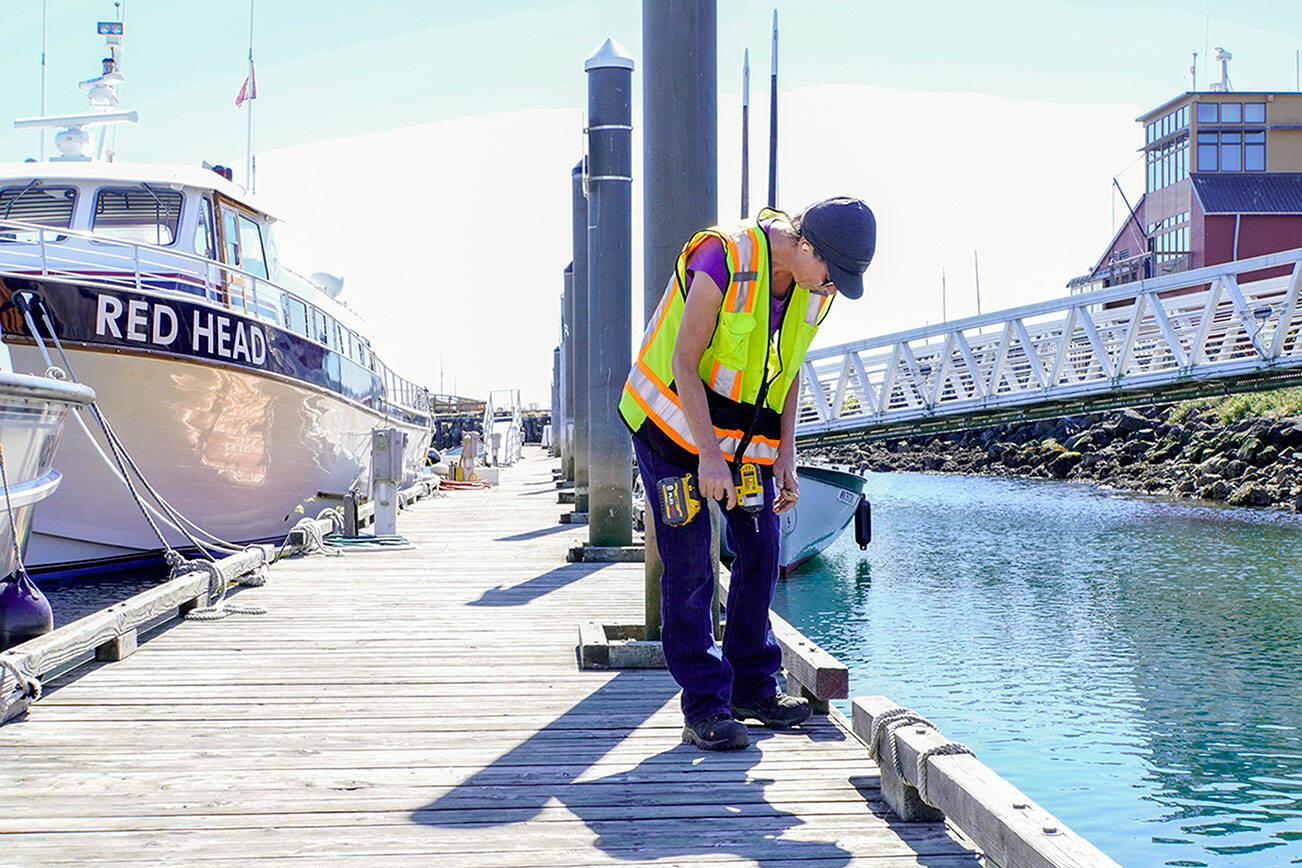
column 423, row 149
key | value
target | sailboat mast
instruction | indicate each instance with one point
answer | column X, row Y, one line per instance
column 745, row 135
column 43, row 47
column 773, row 120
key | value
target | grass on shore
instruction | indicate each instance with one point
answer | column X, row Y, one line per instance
column 1274, row 404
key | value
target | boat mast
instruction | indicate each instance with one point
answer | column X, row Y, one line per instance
column 43, row 47
column 745, row 135
column 253, row 92
column 773, row 119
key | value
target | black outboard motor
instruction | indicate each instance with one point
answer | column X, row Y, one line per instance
column 24, row 611
column 863, row 523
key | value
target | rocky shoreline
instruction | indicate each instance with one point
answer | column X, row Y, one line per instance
column 1181, row 450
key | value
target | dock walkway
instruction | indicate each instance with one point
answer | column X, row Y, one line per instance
column 425, row 707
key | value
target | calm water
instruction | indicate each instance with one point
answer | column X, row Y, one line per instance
column 78, row 598
column 1131, row 664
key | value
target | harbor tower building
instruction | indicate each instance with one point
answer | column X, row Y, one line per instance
column 1223, row 182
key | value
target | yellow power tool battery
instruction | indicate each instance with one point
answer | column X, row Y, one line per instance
column 678, row 503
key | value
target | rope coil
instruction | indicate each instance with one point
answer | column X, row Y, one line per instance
column 217, row 607
column 25, row 686
column 949, row 748
column 891, row 720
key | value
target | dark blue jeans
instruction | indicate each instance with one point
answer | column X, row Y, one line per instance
column 743, row 671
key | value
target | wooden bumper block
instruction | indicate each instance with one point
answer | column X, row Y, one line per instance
column 1012, row 830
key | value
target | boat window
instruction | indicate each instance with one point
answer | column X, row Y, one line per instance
column 231, row 237
column 203, row 231
column 1254, row 112
column 295, row 314
column 48, row 206
column 1206, row 113
column 253, row 260
column 138, row 214
column 320, row 327
column 273, row 253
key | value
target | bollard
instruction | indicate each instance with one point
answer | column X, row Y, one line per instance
column 579, row 333
column 387, row 445
column 609, row 292
column 350, row 513
column 567, row 377
column 553, row 441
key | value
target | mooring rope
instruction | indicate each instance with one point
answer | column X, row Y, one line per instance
column 949, row 748
column 887, row 722
column 315, row 539
column 217, row 607
column 891, row 720
column 121, row 457
column 25, row 685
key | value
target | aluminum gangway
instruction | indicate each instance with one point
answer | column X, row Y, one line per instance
column 1226, row 328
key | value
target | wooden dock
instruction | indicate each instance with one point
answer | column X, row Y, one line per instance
column 424, row 706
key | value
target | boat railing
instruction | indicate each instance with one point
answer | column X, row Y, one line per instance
column 504, row 425
column 37, row 251
column 52, row 253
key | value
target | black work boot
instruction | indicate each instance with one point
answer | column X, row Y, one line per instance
column 779, row 711
column 719, row 732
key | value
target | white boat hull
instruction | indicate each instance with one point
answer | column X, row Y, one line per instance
column 243, row 454
column 828, row 502
column 32, row 414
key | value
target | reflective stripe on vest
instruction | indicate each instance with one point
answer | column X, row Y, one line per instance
column 742, row 290
column 661, row 404
column 726, row 381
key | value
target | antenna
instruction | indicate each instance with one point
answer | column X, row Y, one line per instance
column 1223, row 86
column 976, row 267
column 773, row 119
column 74, row 142
column 43, row 10
column 1193, row 72
column 745, row 135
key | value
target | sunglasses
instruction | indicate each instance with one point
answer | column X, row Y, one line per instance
column 828, row 282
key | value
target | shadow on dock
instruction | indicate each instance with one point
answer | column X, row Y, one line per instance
column 528, row 591
column 678, row 802
column 535, row 534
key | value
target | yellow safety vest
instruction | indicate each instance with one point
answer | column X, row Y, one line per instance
column 740, row 358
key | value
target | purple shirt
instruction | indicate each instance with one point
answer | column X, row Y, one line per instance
column 711, row 258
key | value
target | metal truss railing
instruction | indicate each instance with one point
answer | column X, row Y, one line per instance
column 1226, row 328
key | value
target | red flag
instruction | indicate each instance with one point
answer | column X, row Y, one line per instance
column 249, row 90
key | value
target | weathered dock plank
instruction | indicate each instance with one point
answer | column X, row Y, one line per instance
column 423, row 705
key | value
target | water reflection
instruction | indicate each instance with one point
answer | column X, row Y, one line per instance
column 1131, row 663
